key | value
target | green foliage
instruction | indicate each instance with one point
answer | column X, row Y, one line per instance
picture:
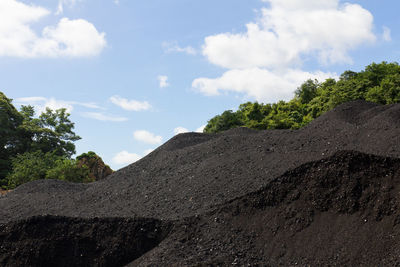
column 68, row 170
column 98, row 170
column 88, row 155
column 23, row 136
column 32, row 166
column 29, row 166
column 379, row 83
column 10, row 144
column 225, row 121
column 307, row 91
column 33, row 148
column 51, row 131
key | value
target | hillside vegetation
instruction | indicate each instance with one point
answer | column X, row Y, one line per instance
column 378, row 83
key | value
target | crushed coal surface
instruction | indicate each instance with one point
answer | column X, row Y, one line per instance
column 326, row 194
column 62, row 241
column 338, row 211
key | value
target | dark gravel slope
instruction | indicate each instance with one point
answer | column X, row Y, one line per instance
column 192, row 172
column 327, row 194
column 61, row 241
column 339, row 211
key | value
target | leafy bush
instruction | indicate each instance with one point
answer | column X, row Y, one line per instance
column 32, row 166
column 68, row 170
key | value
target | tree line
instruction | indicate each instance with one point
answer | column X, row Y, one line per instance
column 378, row 83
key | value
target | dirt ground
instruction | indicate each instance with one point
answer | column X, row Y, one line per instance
column 327, row 194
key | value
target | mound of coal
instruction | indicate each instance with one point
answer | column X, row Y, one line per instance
column 193, row 172
column 62, row 241
column 342, row 211
column 214, row 189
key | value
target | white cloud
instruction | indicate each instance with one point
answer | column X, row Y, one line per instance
column 131, row 105
column 60, row 8
column 61, row 3
column 30, row 100
column 260, row 84
column 69, row 38
column 103, row 117
column 200, row 129
column 124, row 157
column 148, row 151
column 163, row 80
column 41, row 103
column 147, row 137
column 387, row 35
column 86, row 105
column 179, row 130
column 264, row 62
column 289, row 30
column 173, row 47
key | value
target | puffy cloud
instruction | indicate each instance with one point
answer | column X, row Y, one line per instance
column 131, row 105
column 69, row 38
column 124, row 157
column 103, row 117
column 264, row 62
column 179, row 130
column 291, row 29
column 147, row 137
column 200, row 129
column 260, row 84
column 163, row 80
column 171, row 47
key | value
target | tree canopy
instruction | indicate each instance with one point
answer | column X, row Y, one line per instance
column 29, row 145
column 379, row 83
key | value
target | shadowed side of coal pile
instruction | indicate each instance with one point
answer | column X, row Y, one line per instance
column 338, row 211
column 63, row 241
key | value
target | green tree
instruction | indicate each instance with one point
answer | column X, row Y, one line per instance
column 21, row 132
column 37, row 165
column 379, row 83
column 10, row 119
column 30, row 166
column 307, row 91
column 227, row 120
column 51, row 131
column 68, row 170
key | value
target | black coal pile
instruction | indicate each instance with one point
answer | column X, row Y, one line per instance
column 327, row 194
column 63, row 241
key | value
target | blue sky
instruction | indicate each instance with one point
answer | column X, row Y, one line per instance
column 134, row 73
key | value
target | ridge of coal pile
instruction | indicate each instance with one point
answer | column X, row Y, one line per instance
column 193, row 172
